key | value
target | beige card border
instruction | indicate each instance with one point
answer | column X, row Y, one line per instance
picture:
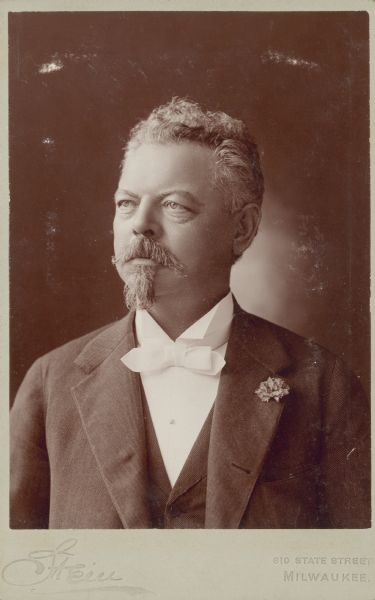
column 176, row 565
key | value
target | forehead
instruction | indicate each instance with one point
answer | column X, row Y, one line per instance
column 187, row 165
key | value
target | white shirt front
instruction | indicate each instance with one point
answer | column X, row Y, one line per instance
column 180, row 399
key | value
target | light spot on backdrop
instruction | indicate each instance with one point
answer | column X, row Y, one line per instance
column 281, row 276
column 51, row 67
column 58, row 60
column 274, row 56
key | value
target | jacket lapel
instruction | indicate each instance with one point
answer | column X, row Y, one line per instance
column 243, row 426
column 110, row 406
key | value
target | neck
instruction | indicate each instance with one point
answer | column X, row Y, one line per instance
column 175, row 315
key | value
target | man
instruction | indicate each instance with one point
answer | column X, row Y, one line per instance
column 189, row 412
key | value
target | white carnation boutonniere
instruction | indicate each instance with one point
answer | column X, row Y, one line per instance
column 274, row 388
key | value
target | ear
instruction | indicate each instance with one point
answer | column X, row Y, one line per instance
column 247, row 223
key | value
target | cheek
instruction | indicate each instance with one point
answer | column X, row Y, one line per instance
column 187, row 245
column 203, row 241
column 202, row 248
column 120, row 234
column 219, row 240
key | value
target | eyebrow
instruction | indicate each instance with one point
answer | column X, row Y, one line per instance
column 184, row 193
column 188, row 195
column 121, row 192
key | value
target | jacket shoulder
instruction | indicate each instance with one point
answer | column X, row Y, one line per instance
column 61, row 359
column 295, row 344
column 74, row 347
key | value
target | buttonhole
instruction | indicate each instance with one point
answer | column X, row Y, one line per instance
column 241, row 468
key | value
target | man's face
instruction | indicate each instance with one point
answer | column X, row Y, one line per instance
column 166, row 195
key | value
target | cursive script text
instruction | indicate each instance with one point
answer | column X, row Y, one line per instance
column 58, row 564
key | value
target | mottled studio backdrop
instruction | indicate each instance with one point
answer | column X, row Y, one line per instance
column 79, row 81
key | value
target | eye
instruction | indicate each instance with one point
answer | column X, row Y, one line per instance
column 172, row 205
column 176, row 207
column 126, row 205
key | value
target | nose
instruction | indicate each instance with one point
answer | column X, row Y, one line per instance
column 145, row 220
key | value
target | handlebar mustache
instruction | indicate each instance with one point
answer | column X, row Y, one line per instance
column 144, row 247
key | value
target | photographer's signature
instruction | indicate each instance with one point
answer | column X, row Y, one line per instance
column 60, row 565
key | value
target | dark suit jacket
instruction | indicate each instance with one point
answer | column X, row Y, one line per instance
column 78, row 457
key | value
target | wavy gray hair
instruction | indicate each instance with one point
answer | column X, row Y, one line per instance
column 238, row 171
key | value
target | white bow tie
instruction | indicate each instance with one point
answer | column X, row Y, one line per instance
column 155, row 355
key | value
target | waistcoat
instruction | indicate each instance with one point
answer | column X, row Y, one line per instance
column 182, row 506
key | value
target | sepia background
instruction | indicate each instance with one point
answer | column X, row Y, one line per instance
column 79, row 81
